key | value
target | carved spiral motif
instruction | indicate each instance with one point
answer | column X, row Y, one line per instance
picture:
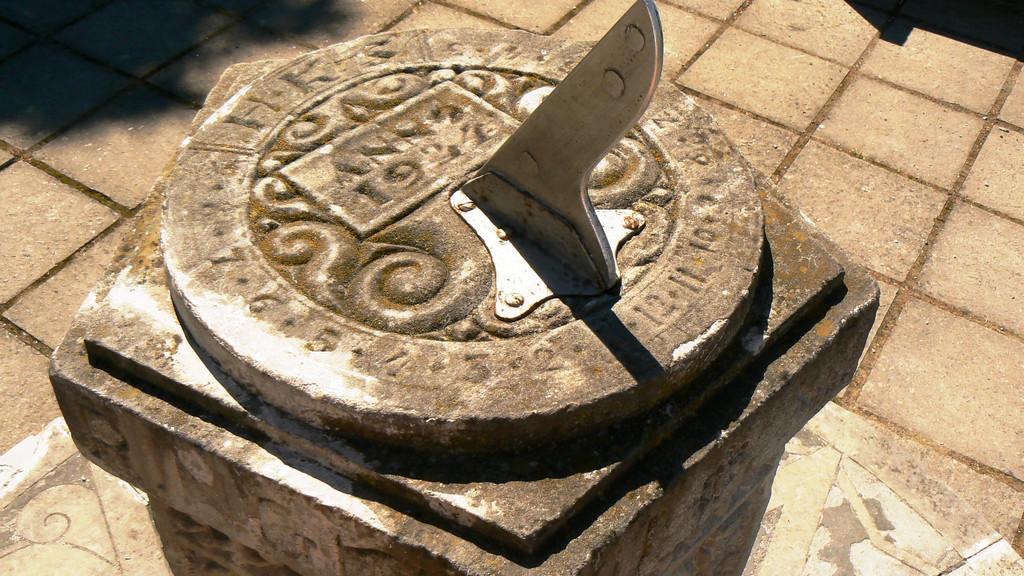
column 406, row 291
column 278, row 202
column 422, row 272
column 312, row 130
column 314, row 256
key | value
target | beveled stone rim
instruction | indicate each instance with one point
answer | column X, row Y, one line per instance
column 362, row 400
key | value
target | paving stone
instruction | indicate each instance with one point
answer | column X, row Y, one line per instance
column 885, row 298
column 995, row 180
column 880, row 218
column 195, row 74
column 866, row 529
column 42, row 222
column 43, row 478
column 850, row 492
column 123, row 147
column 896, row 128
column 57, row 526
column 138, row 35
column 433, row 16
column 832, row 29
column 974, row 400
column 46, row 15
column 685, row 33
column 4, row 157
column 720, row 9
column 23, row 464
column 533, row 16
column 976, row 264
column 798, row 495
column 25, row 391
column 131, row 529
column 998, row 23
column 941, row 67
column 11, row 39
column 963, row 504
column 998, row 559
column 46, row 311
column 758, row 75
column 47, row 87
column 764, row 145
column 1013, row 108
column 324, row 22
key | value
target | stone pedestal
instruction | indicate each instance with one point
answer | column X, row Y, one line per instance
column 297, row 358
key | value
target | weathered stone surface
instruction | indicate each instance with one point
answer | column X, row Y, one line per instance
column 831, row 29
column 921, row 366
column 881, row 219
column 245, row 473
column 346, row 190
column 852, row 496
column 135, row 333
column 940, row 66
column 976, row 265
column 687, row 495
column 62, row 515
column 893, row 127
column 23, row 390
column 42, row 222
column 996, row 175
column 758, row 75
column 46, row 311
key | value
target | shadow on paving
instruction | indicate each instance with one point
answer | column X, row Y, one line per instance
column 63, row 61
column 993, row 25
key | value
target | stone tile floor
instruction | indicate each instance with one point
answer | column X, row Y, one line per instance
column 896, row 126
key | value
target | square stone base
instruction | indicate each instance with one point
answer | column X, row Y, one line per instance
column 226, row 497
column 236, row 490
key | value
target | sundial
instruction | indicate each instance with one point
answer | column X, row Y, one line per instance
column 460, row 302
column 421, row 247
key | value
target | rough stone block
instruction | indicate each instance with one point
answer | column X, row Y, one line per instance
column 665, row 482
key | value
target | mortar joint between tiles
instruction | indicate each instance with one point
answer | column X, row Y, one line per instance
column 25, row 337
column 1005, row 478
column 725, row 25
column 61, row 265
column 579, row 7
column 476, row 14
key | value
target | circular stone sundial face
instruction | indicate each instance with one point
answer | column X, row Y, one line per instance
column 313, row 254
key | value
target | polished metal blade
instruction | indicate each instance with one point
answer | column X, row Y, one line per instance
column 535, row 185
